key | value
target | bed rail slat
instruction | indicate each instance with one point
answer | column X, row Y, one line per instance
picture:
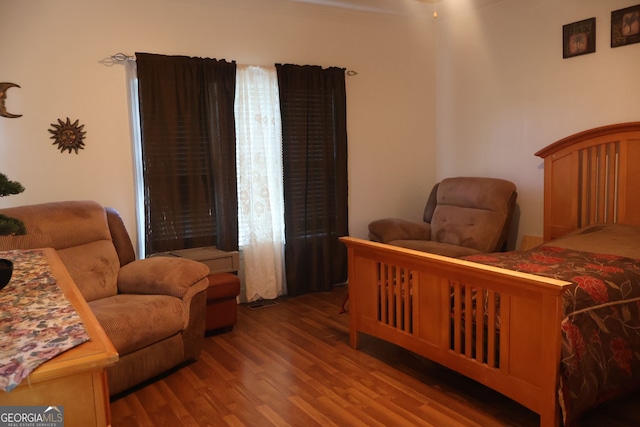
column 408, row 303
column 457, row 317
column 468, row 322
column 479, row 322
column 491, row 328
column 505, row 333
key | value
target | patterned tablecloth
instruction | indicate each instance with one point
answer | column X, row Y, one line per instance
column 37, row 322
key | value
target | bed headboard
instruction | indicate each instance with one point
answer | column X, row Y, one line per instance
column 592, row 177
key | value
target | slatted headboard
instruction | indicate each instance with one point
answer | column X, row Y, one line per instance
column 592, row 177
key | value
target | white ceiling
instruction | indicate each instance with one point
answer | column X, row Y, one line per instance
column 380, row 6
column 400, row 7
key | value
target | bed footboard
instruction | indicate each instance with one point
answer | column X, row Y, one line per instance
column 498, row 327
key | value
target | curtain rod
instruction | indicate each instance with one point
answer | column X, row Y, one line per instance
column 121, row 57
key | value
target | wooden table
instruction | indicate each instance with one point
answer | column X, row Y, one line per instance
column 75, row 379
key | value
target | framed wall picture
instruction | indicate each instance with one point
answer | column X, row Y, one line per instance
column 625, row 26
column 579, row 38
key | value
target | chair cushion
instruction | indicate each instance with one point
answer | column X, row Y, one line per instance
column 79, row 232
column 133, row 322
column 471, row 212
column 94, row 268
column 388, row 229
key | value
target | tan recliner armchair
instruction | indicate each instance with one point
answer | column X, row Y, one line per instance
column 152, row 310
column 463, row 216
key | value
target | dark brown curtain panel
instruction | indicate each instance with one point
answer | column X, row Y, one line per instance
column 314, row 151
column 188, row 152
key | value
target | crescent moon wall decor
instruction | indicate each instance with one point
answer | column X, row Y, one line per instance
column 68, row 136
column 3, row 95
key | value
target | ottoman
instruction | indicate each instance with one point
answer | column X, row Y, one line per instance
column 222, row 308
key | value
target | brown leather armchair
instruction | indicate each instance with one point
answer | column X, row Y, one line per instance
column 463, row 216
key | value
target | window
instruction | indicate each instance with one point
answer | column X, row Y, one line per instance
column 197, row 190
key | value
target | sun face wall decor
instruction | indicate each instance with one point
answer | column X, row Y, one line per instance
column 68, row 136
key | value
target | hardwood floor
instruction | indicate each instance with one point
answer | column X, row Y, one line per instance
column 291, row 365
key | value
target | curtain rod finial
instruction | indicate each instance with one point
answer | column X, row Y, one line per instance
column 121, row 57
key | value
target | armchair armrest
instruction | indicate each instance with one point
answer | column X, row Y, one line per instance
column 178, row 277
column 163, row 276
column 389, row 229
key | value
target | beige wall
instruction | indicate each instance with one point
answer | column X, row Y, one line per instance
column 504, row 91
column 53, row 49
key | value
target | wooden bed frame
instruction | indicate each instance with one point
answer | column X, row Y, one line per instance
column 592, row 177
column 407, row 297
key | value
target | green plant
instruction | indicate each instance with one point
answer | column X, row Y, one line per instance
column 10, row 226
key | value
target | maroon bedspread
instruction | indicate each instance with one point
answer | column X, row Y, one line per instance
column 601, row 328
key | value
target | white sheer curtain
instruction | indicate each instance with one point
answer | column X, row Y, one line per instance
column 131, row 71
column 260, row 193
